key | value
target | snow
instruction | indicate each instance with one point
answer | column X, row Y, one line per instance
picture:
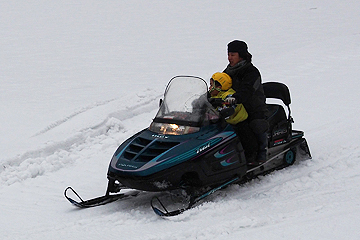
column 80, row 77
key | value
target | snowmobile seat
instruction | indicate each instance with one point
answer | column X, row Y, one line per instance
column 277, row 90
column 279, row 124
column 275, row 114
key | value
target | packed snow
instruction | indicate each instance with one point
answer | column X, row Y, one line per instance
column 80, row 77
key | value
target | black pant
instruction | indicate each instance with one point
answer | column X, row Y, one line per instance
column 259, row 127
column 247, row 137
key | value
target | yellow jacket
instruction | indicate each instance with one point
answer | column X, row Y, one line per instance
column 240, row 111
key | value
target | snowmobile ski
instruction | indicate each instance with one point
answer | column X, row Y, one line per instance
column 193, row 200
column 99, row 200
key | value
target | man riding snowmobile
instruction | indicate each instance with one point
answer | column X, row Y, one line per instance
column 249, row 91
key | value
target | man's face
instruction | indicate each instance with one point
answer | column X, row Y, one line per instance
column 234, row 58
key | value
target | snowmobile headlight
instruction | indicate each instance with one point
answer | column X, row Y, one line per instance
column 172, row 129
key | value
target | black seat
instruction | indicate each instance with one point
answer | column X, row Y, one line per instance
column 279, row 124
column 275, row 114
column 277, row 90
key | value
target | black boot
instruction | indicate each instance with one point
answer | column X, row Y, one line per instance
column 251, row 159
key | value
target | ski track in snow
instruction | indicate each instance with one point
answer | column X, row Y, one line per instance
column 57, row 155
column 59, row 122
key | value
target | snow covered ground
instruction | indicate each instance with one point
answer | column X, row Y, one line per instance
column 79, row 77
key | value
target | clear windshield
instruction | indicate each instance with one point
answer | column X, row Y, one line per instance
column 185, row 107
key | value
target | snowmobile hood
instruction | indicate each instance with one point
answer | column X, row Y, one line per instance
column 148, row 153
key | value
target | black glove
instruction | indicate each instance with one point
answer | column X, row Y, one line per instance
column 216, row 102
column 227, row 112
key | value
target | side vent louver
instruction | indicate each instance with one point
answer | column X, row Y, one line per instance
column 144, row 150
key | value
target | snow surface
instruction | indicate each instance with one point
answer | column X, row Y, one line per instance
column 79, row 77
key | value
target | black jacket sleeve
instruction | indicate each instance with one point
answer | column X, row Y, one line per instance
column 245, row 84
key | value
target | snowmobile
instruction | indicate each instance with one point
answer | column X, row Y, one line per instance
column 190, row 150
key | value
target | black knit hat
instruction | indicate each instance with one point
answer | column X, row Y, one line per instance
column 241, row 48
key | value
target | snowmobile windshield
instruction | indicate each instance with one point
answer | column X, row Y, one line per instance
column 185, row 107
